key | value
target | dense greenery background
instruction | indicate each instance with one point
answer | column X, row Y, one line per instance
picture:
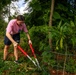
column 63, row 30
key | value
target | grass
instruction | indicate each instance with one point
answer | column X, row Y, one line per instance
column 26, row 67
column 10, row 68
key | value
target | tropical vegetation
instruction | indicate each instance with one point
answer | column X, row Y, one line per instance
column 61, row 55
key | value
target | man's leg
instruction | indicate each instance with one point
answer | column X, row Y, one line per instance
column 5, row 52
column 16, row 53
column 16, row 37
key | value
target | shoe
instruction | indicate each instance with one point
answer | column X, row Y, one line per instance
column 16, row 62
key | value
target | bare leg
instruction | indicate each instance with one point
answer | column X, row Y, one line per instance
column 5, row 52
column 16, row 53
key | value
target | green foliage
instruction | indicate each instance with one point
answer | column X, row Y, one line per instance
column 3, row 8
column 3, row 3
column 39, row 13
column 39, row 36
column 2, row 27
column 35, row 5
column 63, row 34
column 62, row 11
column 71, row 66
column 3, row 12
column 56, row 15
column 48, row 57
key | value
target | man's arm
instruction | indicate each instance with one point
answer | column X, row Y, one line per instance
column 11, row 39
column 28, row 36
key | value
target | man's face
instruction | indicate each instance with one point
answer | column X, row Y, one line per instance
column 20, row 22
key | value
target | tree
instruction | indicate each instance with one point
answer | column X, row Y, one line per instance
column 3, row 11
column 4, row 7
column 50, row 21
column 39, row 13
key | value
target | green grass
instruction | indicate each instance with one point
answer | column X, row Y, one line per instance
column 26, row 67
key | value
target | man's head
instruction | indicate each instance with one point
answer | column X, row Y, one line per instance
column 20, row 19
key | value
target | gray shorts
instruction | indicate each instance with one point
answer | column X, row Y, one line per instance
column 16, row 37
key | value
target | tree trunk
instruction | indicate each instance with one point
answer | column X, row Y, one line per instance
column 9, row 13
column 50, row 21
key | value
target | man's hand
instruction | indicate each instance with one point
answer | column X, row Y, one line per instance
column 15, row 44
column 30, row 42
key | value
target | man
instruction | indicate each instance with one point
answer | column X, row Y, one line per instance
column 13, row 35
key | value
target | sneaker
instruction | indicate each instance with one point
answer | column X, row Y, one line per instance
column 16, row 62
